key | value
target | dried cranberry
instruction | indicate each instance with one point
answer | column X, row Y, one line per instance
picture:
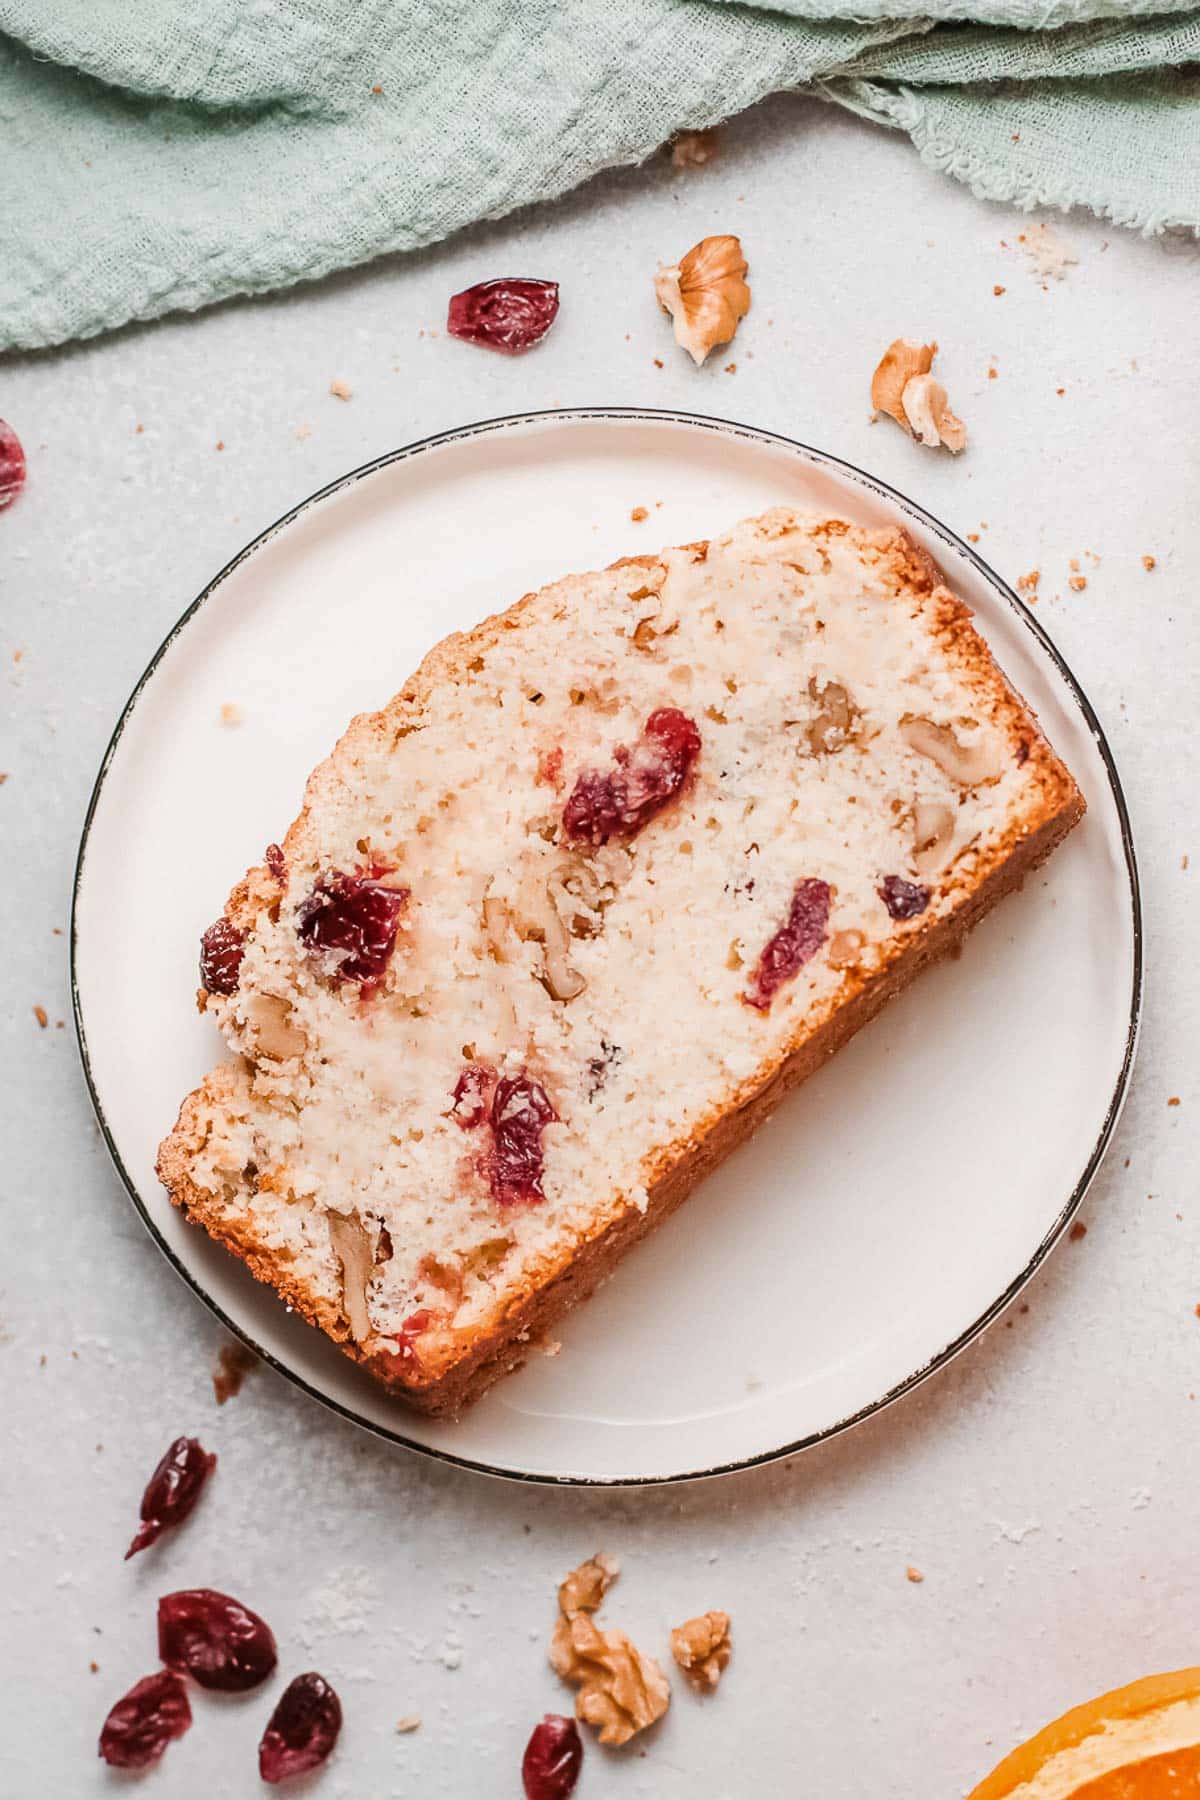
column 142, row 1724
column 472, row 1091
column 903, row 899
column 172, row 1490
column 405, row 1340
column 510, row 314
column 350, row 921
column 614, row 802
column 553, row 1758
column 275, row 862
column 12, row 465
column 221, row 951
column 521, row 1111
column 302, row 1730
column 216, row 1640
column 793, row 943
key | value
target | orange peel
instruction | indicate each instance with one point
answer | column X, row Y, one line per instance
column 1140, row 1742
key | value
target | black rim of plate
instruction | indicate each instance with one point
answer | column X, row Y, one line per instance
column 633, row 415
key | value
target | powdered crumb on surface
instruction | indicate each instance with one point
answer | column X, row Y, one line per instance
column 231, row 715
column 234, row 1362
column 1028, row 582
column 42, row 1016
column 912, row 1573
column 303, row 431
column 639, row 513
column 340, row 390
column 340, row 1607
column 1049, row 255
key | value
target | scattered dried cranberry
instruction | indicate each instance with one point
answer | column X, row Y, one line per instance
column 172, row 1490
column 350, row 922
column 216, row 1640
column 221, row 950
column 142, row 1724
column 472, row 1091
column 12, row 465
column 510, row 314
column 521, row 1111
column 275, row 862
column 553, row 1758
column 301, row 1731
column 619, row 801
column 903, row 899
column 793, row 943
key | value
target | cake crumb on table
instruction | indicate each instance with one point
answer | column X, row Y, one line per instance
column 410, row 1722
column 1077, row 583
column 231, row 714
column 639, row 513
column 1174, row 1100
column 1028, row 582
column 1149, row 562
column 1077, row 1231
column 340, row 390
column 913, row 1574
column 42, row 1016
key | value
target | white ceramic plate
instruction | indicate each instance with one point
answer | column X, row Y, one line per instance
column 888, row 1211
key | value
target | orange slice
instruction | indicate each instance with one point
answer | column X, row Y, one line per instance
column 1141, row 1742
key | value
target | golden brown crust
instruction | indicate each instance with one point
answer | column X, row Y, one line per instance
column 457, row 1367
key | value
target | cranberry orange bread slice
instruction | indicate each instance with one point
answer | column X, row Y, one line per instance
column 559, row 926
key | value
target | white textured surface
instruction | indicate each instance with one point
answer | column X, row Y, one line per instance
column 1045, row 1485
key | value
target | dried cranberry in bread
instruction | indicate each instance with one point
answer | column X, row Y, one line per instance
column 560, row 924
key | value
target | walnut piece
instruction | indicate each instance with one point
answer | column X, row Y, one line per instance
column 900, row 363
column 585, row 1587
column 929, row 415
column 692, row 149
column 836, row 720
column 706, row 294
column 620, row 1690
column 967, row 764
column 903, row 387
column 845, row 948
column 274, row 1029
column 933, row 828
column 702, row 1648
column 353, row 1249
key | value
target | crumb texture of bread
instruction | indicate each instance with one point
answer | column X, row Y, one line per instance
column 866, row 781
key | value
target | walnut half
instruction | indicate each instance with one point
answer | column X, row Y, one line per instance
column 620, row 1690
column 702, row 1648
column 706, row 294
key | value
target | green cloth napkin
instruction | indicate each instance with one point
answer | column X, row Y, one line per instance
column 170, row 153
